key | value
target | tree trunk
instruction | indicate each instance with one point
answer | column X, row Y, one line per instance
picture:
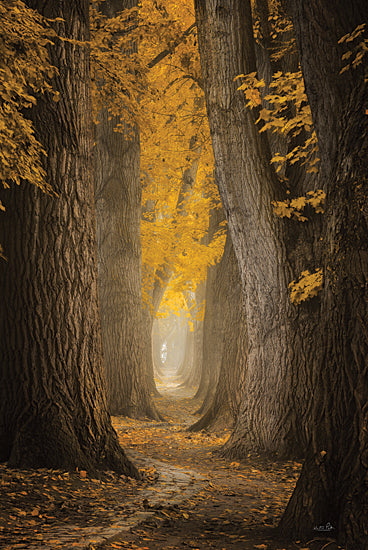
column 187, row 364
column 333, row 488
column 213, row 320
column 52, row 406
column 226, row 345
column 150, row 358
column 157, row 349
column 118, row 209
column 273, row 418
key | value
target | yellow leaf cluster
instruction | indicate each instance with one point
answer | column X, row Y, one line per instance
column 176, row 137
column 282, row 32
column 307, row 286
column 357, row 55
column 293, row 207
column 285, row 111
column 117, row 71
column 25, row 73
column 146, row 72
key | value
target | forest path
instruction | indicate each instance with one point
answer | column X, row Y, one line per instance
column 234, row 505
column 189, row 497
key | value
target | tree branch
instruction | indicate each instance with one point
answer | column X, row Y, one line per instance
column 168, row 51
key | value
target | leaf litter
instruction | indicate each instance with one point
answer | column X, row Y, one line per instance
column 189, row 497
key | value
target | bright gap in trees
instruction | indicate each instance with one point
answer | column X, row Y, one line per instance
column 172, row 350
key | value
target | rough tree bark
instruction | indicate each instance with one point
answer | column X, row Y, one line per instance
column 212, row 322
column 52, row 405
column 272, row 417
column 118, row 209
column 226, row 345
column 333, row 484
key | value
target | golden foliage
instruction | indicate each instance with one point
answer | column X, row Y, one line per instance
column 26, row 73
column 294, row 207
column 357, row 55
column 307, row 286
column 146, row 72
column 118, row 76
column 176, row 143
column 281, row 30
column 285, row 111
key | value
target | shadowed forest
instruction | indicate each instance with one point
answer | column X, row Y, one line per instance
column 184, row 274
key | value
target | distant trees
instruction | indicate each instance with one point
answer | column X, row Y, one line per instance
column 52, row 403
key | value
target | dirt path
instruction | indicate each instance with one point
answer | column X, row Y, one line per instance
column 235, row 506
column 189, row 497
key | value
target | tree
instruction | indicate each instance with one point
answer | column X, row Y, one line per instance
column 52, row 409
column 190, row 371
column 213, row 320
column 26, row 71
column 168, row 116
column 176, row 155
column 118, row 208
column 224, row 345
column 333, row 484
column 274, row 415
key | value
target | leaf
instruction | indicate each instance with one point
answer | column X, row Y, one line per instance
column 308, row 286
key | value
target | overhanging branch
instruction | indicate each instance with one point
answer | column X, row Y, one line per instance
column 170, row 50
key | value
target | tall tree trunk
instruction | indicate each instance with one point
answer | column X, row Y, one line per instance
column 333, row 488
column 190, row 370
column 52, row 403
column 272, row 417
column 225, row 344
column 187, row 364
column 150, row 358
column 213, row 322
column 157, row 343
column 118, row 207
column 119, row 253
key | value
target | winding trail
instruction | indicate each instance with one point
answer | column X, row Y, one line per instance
column 189, row 497
column 201, row 501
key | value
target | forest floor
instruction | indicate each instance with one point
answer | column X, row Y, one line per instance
column 189, row 498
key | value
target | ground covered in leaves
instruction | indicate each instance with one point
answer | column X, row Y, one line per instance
column 189, row 497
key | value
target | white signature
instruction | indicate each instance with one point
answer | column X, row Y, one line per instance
column 327, row 527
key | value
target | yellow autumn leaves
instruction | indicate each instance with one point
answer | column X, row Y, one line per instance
column 25, row 71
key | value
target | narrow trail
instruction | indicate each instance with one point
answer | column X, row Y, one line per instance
column 232, row 505
column 189, row 497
